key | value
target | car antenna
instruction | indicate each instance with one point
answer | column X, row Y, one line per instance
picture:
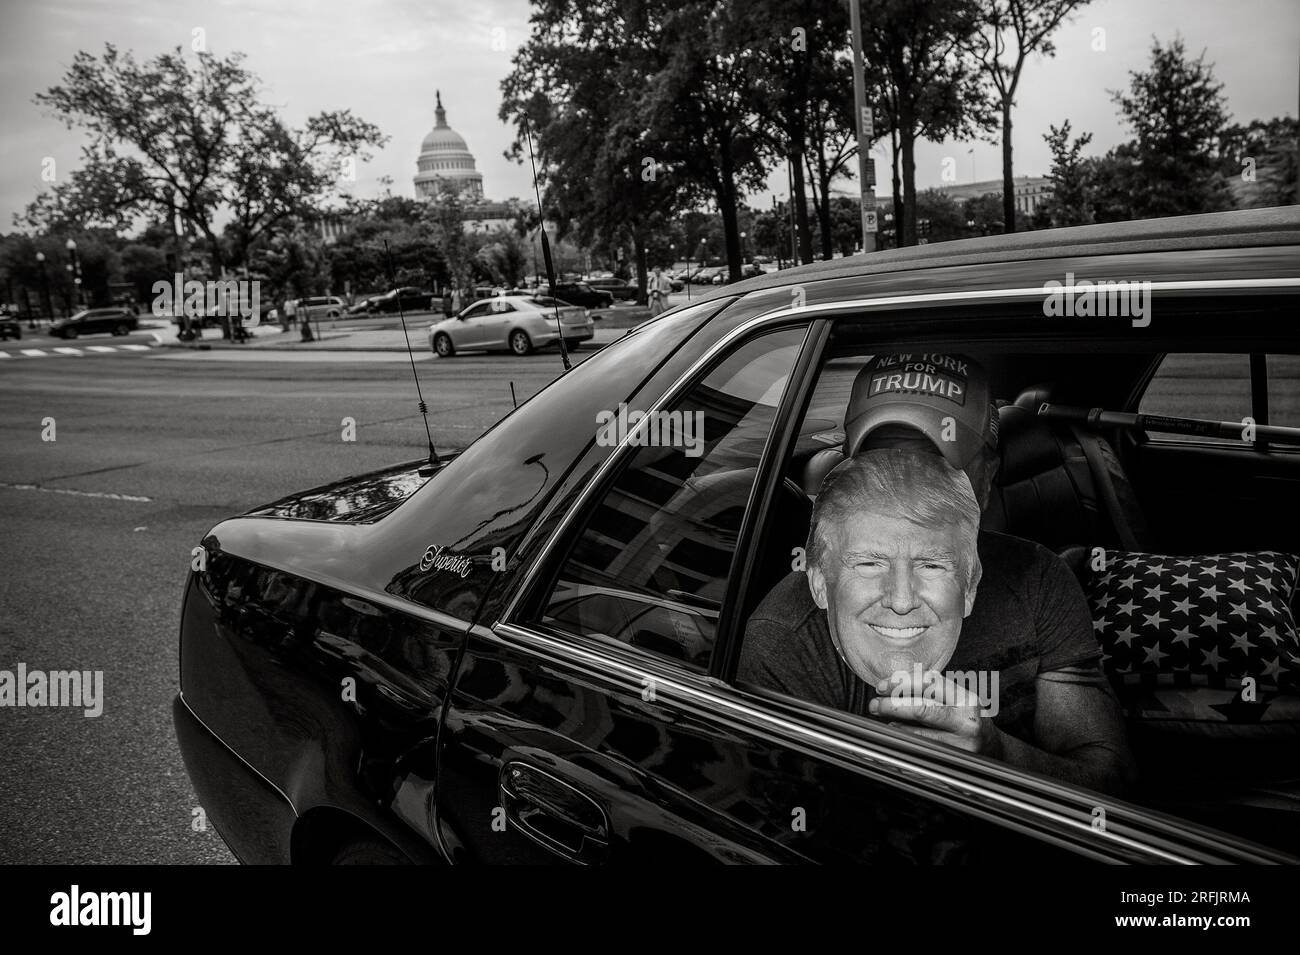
column 546, row 248
column 512, row 395
column 433, row 463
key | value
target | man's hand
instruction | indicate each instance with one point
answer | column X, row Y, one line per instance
column 938, row 709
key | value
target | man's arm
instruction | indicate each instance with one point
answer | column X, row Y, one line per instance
column 1077, row 725
column 1080, row 731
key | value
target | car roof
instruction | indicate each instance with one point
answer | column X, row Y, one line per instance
column 1277, row 226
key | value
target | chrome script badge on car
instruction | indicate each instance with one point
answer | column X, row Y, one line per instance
column 434, row 559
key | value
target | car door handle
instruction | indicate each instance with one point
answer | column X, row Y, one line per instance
column 554, row 814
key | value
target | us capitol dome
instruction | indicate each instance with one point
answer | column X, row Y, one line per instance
column 446, row 160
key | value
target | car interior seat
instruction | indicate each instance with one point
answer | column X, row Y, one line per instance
column 1051, row 487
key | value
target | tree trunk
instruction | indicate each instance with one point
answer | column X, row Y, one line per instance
column 801, row 210
column 1008, row 181
column 639, row 251
column 907, row 233
column 898, row 189
column 726, row 192
column 819, row 179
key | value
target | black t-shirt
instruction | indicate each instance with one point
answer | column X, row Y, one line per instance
column 1030, row 616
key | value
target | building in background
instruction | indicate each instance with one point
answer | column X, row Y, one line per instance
column 1031, row 191
column 445, row 161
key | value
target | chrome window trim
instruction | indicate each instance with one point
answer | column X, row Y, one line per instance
column 822, row 310
column 887, row 766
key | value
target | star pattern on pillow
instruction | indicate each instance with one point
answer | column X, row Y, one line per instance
column 1213, row 618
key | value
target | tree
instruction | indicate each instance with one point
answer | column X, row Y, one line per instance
column 580, row 85
column 1010, row 32
column 1111, row 182
column 797, row 70
column 943, row 217
column 1259, row 162
column 1069, row 203
column 928, row 87
column 698, row 106
column 1177, row 112
column 143, row 265
column 983, row 214
column 832, row 142
column 171, row 138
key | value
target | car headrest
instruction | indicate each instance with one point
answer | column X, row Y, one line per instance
column 819, row 465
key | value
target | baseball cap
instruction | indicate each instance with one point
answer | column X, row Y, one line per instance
column 944, row 397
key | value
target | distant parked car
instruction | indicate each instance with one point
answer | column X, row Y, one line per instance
column 91, row 321
column 411, row 299
column 581, row 293
column 618, row 288
column 520, row 323
column 10, row 326
column 321, row 306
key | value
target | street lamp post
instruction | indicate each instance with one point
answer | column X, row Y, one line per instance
column 46, row 304
column 75, row 268
column 744, row 254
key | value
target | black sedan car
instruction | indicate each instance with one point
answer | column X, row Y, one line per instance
column 528, row 653
column 410, row 299
column 620, row 289
column 93, row 321
column 580, row 293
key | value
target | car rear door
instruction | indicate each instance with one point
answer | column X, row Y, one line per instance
column 567, row 737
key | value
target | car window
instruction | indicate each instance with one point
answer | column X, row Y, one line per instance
column 545, row 301
column 1212, row 387
column 651, row 565
column 475, row 310
column 499, row 306
column 1284, row 390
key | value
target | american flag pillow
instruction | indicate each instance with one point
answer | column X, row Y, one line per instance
column 1207, row 619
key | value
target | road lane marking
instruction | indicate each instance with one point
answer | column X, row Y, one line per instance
column 101, row 348
column 69, row 351
column 134, row 347
column 34, row 352
column 63, row 490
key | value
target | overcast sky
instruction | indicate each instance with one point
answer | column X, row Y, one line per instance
column 383, row 59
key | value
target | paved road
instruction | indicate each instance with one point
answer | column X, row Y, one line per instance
column 151, row 449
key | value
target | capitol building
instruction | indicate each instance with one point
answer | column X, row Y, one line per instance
column 445, row 161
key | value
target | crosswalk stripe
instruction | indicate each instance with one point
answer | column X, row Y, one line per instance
column 34, row 352
column 5, row 354
column 134, row 347
column 69, row 351
column 100, row 348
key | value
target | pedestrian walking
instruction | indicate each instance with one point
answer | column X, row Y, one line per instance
column 657, row 289
column 446, row 302
column 456, row 300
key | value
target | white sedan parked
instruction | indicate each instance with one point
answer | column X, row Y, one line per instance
column 519, row 323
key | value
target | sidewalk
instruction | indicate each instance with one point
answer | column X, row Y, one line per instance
column 271, row 338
